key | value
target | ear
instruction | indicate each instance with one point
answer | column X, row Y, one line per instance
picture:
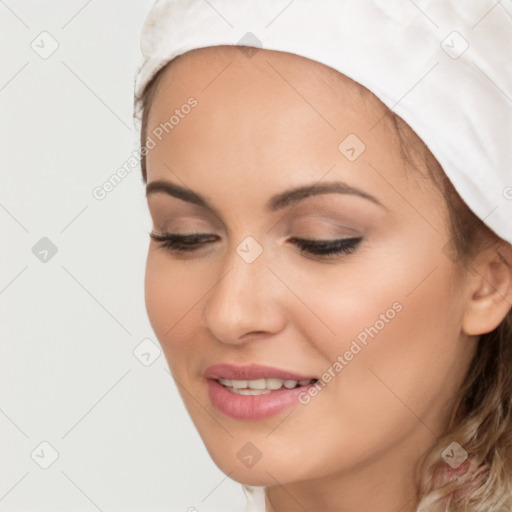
column 490, row 297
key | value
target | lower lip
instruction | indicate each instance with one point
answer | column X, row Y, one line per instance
column 253, row 407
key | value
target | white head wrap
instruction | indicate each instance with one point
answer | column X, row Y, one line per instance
column 445, row 67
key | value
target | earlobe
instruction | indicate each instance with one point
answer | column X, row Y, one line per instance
column 491, row 297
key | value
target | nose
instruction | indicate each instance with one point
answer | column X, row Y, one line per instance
column 245, row 302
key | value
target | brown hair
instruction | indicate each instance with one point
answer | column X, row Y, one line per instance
column 481, row 420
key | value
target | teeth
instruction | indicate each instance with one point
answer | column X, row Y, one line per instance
column 250, row 391
column 254, row 384
column 244, row 387
column 274, row 383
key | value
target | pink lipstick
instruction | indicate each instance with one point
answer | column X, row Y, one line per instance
column 253, row 391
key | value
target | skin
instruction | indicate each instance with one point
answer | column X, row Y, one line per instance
column 263, row 125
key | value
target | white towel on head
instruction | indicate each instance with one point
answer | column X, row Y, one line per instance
column 445, row 67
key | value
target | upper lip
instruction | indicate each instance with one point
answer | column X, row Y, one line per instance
column 251, row 372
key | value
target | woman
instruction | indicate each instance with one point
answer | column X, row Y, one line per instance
column 330, row 266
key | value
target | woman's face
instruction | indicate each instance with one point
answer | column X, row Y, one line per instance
column 389, row 311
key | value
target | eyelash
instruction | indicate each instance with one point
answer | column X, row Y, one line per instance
column 189, row 243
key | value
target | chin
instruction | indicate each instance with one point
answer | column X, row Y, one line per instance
column 264, row 472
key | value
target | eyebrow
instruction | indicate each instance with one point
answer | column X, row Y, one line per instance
column 277, row 202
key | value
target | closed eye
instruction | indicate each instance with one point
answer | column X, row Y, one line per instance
column 181, row 244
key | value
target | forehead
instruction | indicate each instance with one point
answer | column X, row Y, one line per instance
column 275, row 117
column 266, row 91
column 202, row 70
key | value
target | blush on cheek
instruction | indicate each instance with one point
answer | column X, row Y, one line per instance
column 172, row 299
column 161, row 301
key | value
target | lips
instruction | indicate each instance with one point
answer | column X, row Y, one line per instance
column 254, row 392
column 252, row 372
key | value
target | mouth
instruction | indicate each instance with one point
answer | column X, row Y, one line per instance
column 254, row 392
column 262, row 386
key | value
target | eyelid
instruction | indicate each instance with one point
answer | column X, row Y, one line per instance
column 316, row 249
column 320, row 220
column 338, row 216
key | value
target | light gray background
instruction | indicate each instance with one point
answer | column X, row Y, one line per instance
column 69, row 325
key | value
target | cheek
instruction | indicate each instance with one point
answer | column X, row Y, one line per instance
column 397, row 326
column 172, row 299
column 401, row 362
